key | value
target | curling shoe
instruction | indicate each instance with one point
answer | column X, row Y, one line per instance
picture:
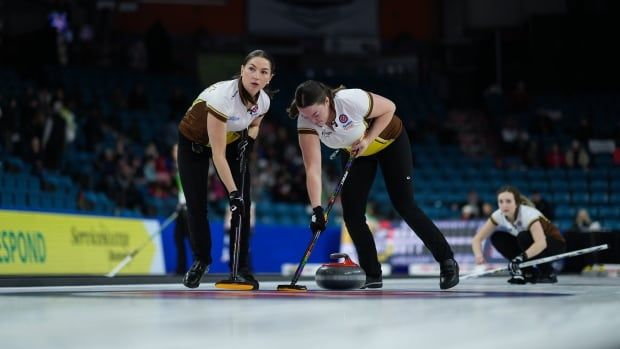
column 195, row 273
column 549, row 278
column 517, row 280
column 448, row 274
column 248, row 277
column 373, row 282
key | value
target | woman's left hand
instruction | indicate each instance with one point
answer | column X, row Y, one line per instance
column 359, row 147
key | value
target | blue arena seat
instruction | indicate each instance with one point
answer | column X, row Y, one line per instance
column 613, row 224
column 580, row 198
column 614, row 199
column 608, row 212
column 560, row 198
column 599, row 185
column 599, row 198
column 565, row 212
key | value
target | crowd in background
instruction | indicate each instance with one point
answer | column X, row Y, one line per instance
column 55, row 129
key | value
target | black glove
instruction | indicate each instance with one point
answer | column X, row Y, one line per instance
column 317, row 221
column 514, row 265
column 236, row 202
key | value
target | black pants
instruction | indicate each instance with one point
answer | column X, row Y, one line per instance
column 510, row 246
column 181, row 232
column 194, row 173
column 397, row 166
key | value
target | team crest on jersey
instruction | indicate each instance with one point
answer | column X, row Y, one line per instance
column 253, row 110
column 345, row 121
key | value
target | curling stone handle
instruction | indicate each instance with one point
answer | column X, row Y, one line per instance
column 339, row 255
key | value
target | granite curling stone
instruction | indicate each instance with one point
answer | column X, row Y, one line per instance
column 340, row 276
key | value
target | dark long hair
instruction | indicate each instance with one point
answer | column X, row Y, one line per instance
column 520, row 199
column 245, row 96
column 311, row 92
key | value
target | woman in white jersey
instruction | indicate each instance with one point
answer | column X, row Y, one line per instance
column 364, row 124
column 519, row 232
column 211, row 130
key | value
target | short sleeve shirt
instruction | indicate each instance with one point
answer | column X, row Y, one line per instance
column 223, row 100
column 525, row 218
column 352, row 106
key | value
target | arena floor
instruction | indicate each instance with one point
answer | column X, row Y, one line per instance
column 578, row 312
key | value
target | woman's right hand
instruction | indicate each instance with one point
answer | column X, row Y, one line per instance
column 480, row 260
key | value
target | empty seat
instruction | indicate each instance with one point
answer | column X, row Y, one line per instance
column 599, row 198
column 561, row 198
column 608, row 212
column 6, row 199
column 565, row 212
column 599, row 186
column 578, row 185
column 580, row 198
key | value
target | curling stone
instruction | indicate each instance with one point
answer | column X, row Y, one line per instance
column 340, row 276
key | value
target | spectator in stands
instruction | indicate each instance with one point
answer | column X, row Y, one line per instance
column 177, row 102
column 472, row 207
column 137, row 99
column 583, row 223
column 213, row 128
column 519, row 232
column 158, row 48
column 533, row 156
column 93, row 129
column 616, row 156
column 542, row 205
column 468, row 212
column 583, row 132
column 577, row 156
column 616, row 133
column 363, row 124
column 9, row 123
column 519, row 98
column 54, row 140
column 487, row 209
column 34, row 156
column 510, row 137
column 554, row 157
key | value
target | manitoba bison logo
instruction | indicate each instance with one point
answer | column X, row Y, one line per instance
column 343, row 118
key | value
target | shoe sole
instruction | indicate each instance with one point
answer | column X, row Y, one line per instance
column 450, row 285
column 372, row 285
column 191, row 285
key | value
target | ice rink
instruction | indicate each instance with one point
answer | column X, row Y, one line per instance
column 578, row 312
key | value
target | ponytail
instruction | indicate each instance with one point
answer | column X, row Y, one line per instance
column 292, row 110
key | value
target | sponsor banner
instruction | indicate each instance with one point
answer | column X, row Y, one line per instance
column 35, row 243
column 399, row 246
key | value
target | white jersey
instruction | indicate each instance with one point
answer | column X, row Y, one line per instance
column 352, row 108
column 526, row 216
column 223, row 100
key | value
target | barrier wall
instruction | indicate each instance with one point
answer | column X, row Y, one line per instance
column 37, row 243
column 274, row 245
column 271, row 246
